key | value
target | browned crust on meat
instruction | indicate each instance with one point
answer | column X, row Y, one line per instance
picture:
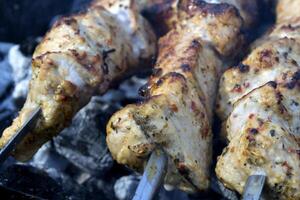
column 164, row 15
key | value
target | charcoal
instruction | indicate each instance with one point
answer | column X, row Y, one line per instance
column 7, row 113
column 219, row 188
column 30, row 180
column 10, row 193
column 21, row 67
column 7, row 108
column 125, row 187
column 57, row 167
column 2, row 56
column 100, row 188
column 173, row 194
column 79, row 5
column 76, row 183
column 5, row 75
column 83, row 143
column 28, row 46
column 47, row 159
column 72, row 190
column 20, row 19
column 131, row 86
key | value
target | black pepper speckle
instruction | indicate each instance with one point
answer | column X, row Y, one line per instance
column 272, row 133
column 253, row 131
column 243, row 68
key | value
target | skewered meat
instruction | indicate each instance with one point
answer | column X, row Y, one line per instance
column 177, row 114
column 259, row 99
column 80, row 56
column 165, row 14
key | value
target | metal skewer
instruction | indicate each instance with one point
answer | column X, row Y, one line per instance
column 153, row 176
column 254, row 187
column 20, row 134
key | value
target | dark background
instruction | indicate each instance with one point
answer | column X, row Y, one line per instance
column 20, row 19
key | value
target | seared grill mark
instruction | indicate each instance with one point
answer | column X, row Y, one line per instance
column 184, row 171
column 295, row 81
column 193, row 7
column 159, row 14
column 105, row 54
column 266, row 56
column 144, row 91
column 157, row 72
column 243, row 68
column 171, row 76
column 90, row 63
column 69, row 21
column 273, row 84
column 185, row 67
column 253, row 131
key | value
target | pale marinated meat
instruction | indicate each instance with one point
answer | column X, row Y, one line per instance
column 177, row 114
column 79, row 57
column 259, row 101
column 165, row 14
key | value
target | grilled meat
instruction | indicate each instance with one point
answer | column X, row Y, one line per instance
column 287, row 11
column 259, row 101
column 165, row 14
column 177, row 114
column 80, row 56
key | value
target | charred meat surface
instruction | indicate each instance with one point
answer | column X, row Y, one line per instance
column 165, row 14
column 80, row 56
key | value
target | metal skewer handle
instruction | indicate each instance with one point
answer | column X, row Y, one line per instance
column 153, row 176
column 254, row 187
column 19, row 135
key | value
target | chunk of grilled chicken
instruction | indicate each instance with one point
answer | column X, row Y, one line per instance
column 165, row 14
column 287, row 10
column 265, row 63
column 266, row 139
column 177, row 114
column 80, row 56
column 259, row 101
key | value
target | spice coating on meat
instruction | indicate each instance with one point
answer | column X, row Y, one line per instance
column 269, row 62
column 177, row 114
column 266, row 138
column 165, row 14
column 80, row 56
column 259, row 103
